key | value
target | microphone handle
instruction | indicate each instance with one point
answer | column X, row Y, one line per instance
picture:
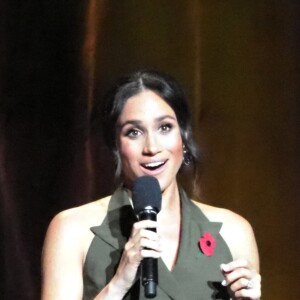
column 149, row 264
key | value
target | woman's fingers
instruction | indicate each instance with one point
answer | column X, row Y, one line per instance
column 142, row 237
column 249, row 290
column 236, row 274
column 143, row 242
column 143, row 225
column 240, row 263
column 145, row 234
column 242, row 280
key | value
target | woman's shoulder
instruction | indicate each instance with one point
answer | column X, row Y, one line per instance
column 236, row 230
column 69, row 231
column 218, row 214
column 73, row 225
column 86, row 215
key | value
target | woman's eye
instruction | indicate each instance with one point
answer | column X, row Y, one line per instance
column 133, row 133
column 166, row 127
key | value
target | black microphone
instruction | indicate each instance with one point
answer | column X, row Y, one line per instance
column 146, row 198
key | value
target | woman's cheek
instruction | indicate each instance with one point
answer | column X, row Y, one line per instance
column 174, row 144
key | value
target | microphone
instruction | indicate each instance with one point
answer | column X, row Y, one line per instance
column 146, row 198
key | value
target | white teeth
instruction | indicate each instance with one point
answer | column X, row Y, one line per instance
column 154, row 164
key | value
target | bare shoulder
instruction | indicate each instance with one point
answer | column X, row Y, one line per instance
column 81, row 217
column 90, row 214
column 71, row 228
column 229, row 218
column 66, row 244
column 236, row 231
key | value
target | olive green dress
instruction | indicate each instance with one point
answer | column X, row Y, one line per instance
column 196, row 276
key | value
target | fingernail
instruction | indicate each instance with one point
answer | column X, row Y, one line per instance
column 224, row 283
column 223, row 267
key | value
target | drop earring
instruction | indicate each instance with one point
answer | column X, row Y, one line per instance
column 186, row 157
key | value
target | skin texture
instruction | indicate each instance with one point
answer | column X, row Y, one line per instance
column 148, row 135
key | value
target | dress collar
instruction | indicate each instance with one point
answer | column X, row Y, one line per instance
column 116, row 228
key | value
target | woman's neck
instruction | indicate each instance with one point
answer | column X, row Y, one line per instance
column 169, row 226
column 170, row 205
column 170, row 198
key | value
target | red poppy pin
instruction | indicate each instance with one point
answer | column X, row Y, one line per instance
column 207, row 244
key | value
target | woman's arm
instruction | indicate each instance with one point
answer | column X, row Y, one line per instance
column 62, row 260
column 142, row 243
column 242, row 275
column 64, row 253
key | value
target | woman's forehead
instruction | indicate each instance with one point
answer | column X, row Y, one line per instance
column 146, row 106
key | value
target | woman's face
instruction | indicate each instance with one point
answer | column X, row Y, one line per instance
column 149, row 140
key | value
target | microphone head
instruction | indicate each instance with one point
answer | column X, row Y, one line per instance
column 146, row 192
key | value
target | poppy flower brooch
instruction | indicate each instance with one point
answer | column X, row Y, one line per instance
column 207, row 244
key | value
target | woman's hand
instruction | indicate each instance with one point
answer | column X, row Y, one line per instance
column 142, row 243
column 242, row 280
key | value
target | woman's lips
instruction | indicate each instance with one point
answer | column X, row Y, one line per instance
column 154, row 167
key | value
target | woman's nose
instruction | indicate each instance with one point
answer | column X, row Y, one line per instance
column 151, row 145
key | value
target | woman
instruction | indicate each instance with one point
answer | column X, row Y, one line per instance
column 94, row 251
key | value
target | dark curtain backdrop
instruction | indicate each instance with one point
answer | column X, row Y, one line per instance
column 238, row 62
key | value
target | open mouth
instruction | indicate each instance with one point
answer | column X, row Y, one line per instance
column 154, row 165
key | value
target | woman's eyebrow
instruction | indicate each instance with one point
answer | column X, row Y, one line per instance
column 136, row 122
column 130, row 122
column 161, row 118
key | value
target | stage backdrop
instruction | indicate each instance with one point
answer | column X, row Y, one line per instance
column 238, row 62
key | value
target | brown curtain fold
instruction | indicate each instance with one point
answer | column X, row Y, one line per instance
column 43, row 113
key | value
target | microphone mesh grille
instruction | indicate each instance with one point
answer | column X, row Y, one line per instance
column 146, row 192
